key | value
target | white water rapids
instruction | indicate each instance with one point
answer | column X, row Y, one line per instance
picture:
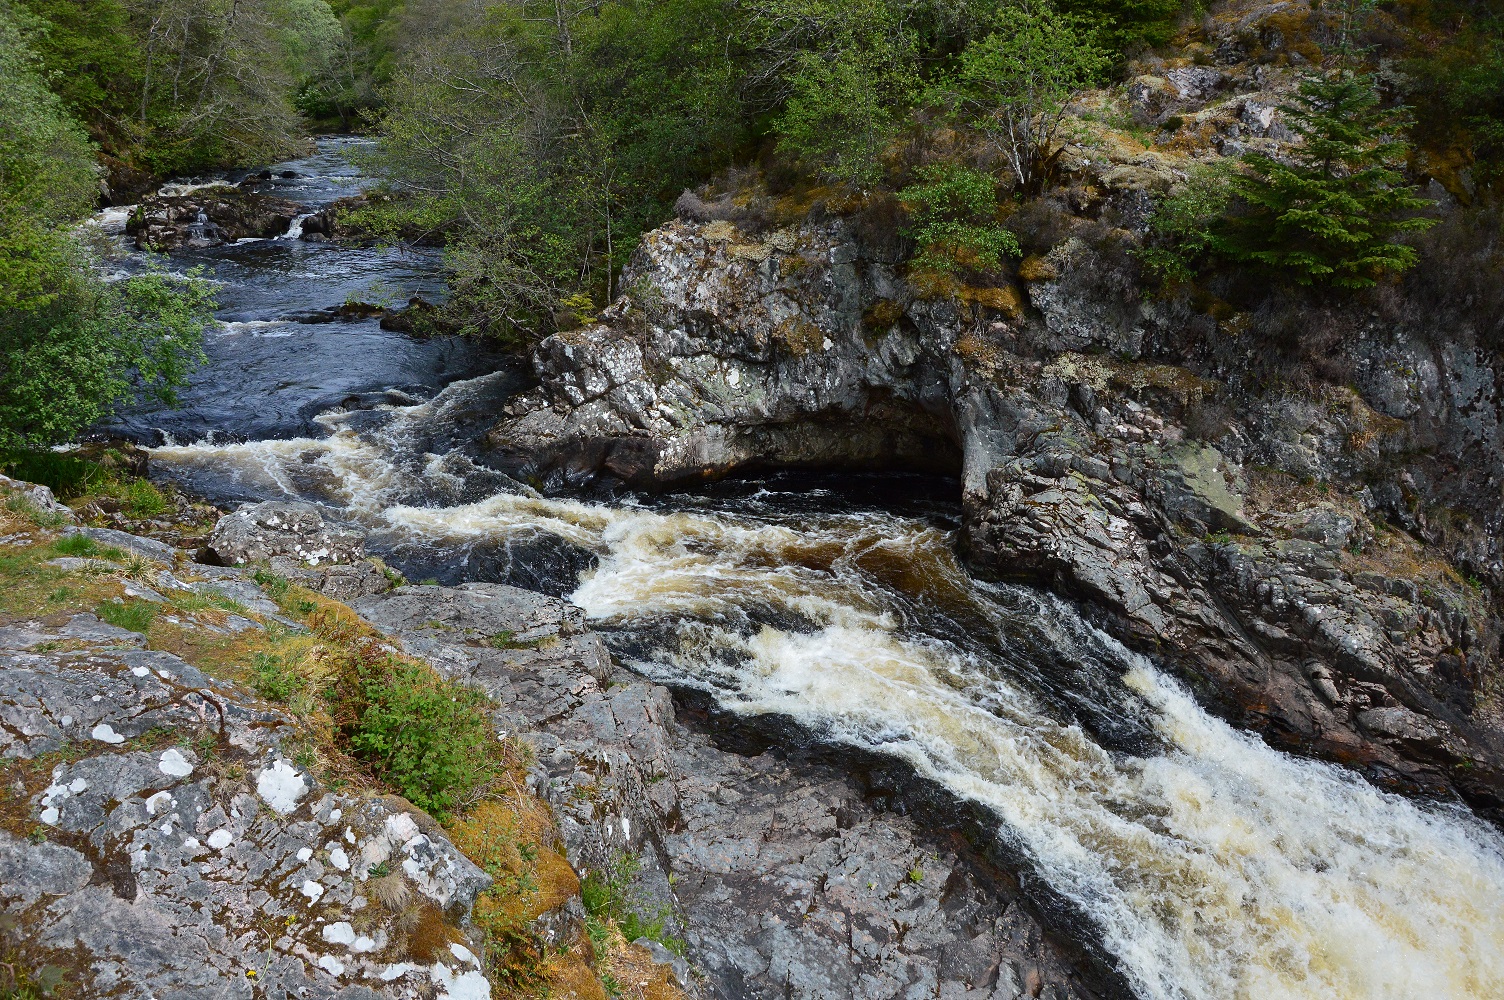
column 1213, row 866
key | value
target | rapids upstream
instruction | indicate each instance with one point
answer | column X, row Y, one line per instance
column 1211, row 866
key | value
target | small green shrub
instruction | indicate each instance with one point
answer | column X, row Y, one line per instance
column 430, row 738
column 133, row 616
column 954, row 210
column 610, row 894
column 273, row 679
column 141, row 498
column 1181, row 228
column 274, row 585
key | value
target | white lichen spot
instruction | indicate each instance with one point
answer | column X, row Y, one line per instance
column 349, row 835
column 734, row 378
column 466, row 986
column 78, row 786
column 304, row 853
column 401, row 828
column 339, row 859
column 167, row 827
column 220, row 839
column 281, row 786
column 174, row 764
column 335, row 815
column 49, row 816
column 827, row 345
column 157, row 801
column 104, row 733
column 312, row 890
column 332, row 965
column 97, row 697
column 464, row 954
column 339, row 933
column 626, row 828
column 394, row 972
column 141, row 671
column 66, row 720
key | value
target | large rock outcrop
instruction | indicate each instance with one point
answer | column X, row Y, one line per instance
column 208, row 216
column 1269, row 542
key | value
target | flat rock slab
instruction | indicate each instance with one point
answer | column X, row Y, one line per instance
column 175, row 849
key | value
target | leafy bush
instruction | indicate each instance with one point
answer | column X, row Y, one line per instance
column 954, row 209
column 1181, row 230
column 273, row 678
column 850, row 90
column 432, row 739
column 1014, row 85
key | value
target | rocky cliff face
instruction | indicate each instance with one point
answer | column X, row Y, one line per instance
column 1320, row 557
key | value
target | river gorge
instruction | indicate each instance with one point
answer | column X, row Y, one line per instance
column 1194, row 859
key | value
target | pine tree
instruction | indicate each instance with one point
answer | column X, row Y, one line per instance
column 1331, row 215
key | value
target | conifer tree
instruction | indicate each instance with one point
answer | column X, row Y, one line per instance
column 1331, row 214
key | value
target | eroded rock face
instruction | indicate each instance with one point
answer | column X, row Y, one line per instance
column 738, row 352
column 1102, row 451
column 781, row 877
column 209, row 216
column 178, row 851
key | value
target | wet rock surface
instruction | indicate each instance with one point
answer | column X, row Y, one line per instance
column 782, row 877
column 160, row 840
column 1282, row 549
column 209, row 216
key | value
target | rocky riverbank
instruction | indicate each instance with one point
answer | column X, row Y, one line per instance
column 1291, row 500
column 143, row 764
column 1269, row 544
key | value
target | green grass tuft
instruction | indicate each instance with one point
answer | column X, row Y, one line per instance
column 134, row 616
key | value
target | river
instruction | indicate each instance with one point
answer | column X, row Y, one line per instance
column 1211, row 866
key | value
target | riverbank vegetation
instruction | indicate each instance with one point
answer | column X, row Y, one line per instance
column 72, row 345
column 540, row 140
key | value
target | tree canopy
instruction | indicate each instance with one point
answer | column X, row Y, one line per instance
column 72, row 346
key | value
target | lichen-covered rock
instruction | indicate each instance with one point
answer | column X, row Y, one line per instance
column 39, row 497
column 161, row 841
column 303, row 531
